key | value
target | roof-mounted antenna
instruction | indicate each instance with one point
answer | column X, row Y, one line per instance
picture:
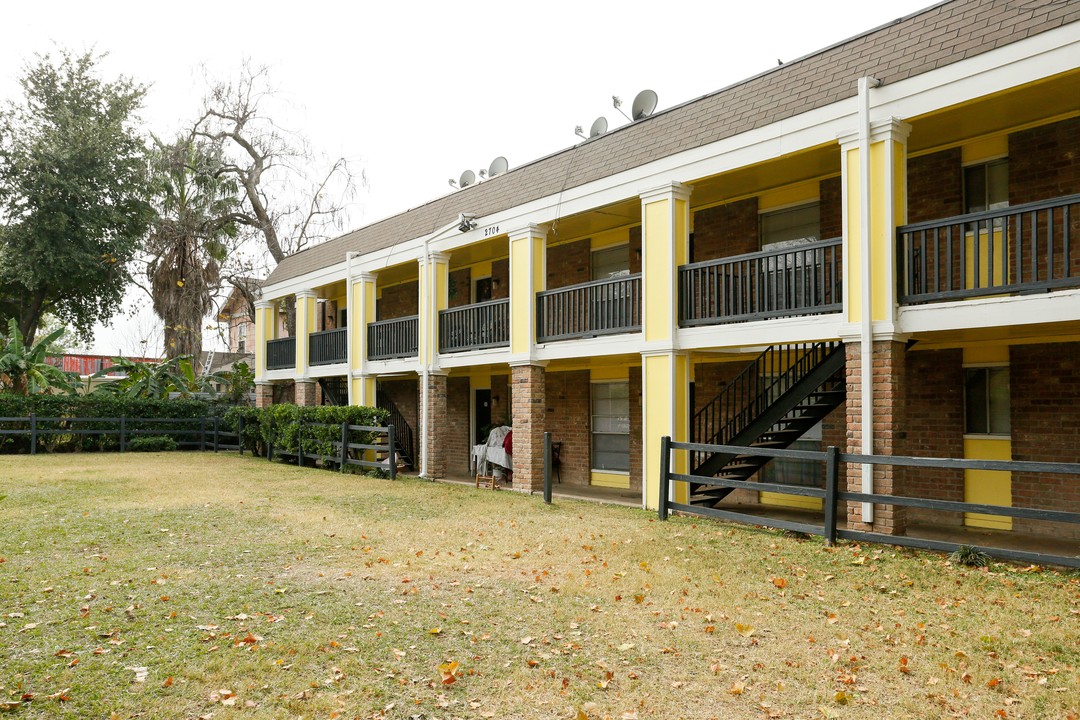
column 617, row 103
column 579, row 132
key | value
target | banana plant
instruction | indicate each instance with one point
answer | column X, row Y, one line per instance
column 24, row 369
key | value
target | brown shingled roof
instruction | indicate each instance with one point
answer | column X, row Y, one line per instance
column 921, row 42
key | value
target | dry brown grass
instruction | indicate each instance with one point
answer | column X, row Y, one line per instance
column 308, row 593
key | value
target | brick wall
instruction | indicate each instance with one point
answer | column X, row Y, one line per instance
column 398, row 301
column 457, row 421
column 935, row 428
column 435, row 427
column 500, row 279
column 567, row 419
column 460, row 287
column 1044, row 383
column 1044, row 163
column 406, row 395
column 830, row 191
column 726, row 230
column 568, row 264
column 264, row 395
column 305, row 393
column 935, row 186
column 529, row 416
column 889, row 377
column 284, row 392
column 500, row 400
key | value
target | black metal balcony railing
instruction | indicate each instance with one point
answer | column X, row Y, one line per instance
column 800, row 280
column 328, row 347
column 476, row 326
column 396, row 338
column 1019, row 249
column 281, row 353
column 601, row 307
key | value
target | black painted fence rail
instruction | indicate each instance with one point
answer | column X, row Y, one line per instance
column 213, row 433
column 831, row 494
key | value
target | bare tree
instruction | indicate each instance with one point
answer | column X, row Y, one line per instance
column 291, row 199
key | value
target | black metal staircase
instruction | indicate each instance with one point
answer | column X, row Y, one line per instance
column 404, row 438
column 335, row 391
column 783, row 393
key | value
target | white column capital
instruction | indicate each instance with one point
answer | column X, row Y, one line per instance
column 364, row 277
column 673, row 190
column 306, row 294
column 892, row 128
column 434, row 257
column 265, row 304
column 529, row 231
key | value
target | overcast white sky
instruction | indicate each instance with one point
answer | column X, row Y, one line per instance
column 417, row 92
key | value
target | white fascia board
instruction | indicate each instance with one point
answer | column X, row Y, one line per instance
column 319, row 371
column 285, row 374
column 490, row 356
column 1043, row 55
column 1053, row 307
column 762, row 333
column 629, row 343
column 401, row 366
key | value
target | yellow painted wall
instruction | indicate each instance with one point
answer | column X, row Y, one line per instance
column 992, row 487
column 305, row 325
column 434, row 279
column 999, row 246
column 609, row 372
column 987, row 148
column 609, row 238
column 364, row 391
column 790, row 501
column 804, row 192
column 526, row 279
column 619, row 481
column 853, row 246
column 659, row 283
column 666, row 390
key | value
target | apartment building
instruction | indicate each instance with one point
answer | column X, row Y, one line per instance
column 876, row 246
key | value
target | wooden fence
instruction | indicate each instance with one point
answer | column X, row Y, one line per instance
column 831, row 495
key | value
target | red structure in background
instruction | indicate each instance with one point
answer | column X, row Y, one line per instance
column 90, row 364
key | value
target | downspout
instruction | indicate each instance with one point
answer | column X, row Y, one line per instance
column 350, row 313
column 425, row 368
column 866, row 330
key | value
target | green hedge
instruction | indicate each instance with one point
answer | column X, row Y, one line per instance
column 152, row 443
column 96, row 406
column 280, row 425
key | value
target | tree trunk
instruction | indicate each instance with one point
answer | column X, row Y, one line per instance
column 31, row 317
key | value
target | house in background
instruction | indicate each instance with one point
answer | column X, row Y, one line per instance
column 876, row 246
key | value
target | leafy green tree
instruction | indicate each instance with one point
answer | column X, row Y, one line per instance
column 73, row 193
column 155, row 380
column 23, row 367
column 190, row 238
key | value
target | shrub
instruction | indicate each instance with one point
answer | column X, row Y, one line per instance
column 321, row 426
column 152, row 443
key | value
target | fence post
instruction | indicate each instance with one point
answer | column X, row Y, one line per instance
column 832, row 474
column 547, row 467
column 665, row 466
column 344, row 444
column 33, row 433
column 240, row 434
column 123, row 432
column 299, row 439
column 216, row 427
column 391, row 440
column 270, row 439
column 202, row 434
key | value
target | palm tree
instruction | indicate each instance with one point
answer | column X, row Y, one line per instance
column 189, row 239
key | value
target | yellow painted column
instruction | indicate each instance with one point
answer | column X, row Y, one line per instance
column 887, row 210
column 434, row 295
column 264, row 331
column 990, row 487
column 528, row 276
column 665, row 381
column 305, row 325
column 361, row 314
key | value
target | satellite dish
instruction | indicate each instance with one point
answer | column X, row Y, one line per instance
column 467, row 178
column 599, row 127
column 644, row 105
column 498, row 167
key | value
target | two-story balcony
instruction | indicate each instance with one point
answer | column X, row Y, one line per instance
column 1021, row 249
column 328, row 347
column 801, row 280
column 591, row 309
column 475, row 327
column 281, row 353
column 394, row 338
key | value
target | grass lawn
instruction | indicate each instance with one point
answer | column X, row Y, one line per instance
column 186, row 585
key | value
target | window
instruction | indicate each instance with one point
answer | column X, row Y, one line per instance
column 611, row 262
column 986, row 401
column 482, row 290
column 611, row 426
column 241, row 337
column 986, row 186
column 784, row 280
column 792, row 226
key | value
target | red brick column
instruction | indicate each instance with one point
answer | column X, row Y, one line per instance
column 435, row 429
column 889, row 378
column 264, row 395
column 528, row 400
column 305, row 392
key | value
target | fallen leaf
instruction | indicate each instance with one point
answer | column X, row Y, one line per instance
column 779, row 582
column 842, row 698
column 744, row 630
column 448, row 673
column 737, row 688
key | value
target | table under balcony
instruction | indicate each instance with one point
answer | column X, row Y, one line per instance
column 395, row 338
column 1016, row 250
column 803, row 279
column 601, row 307
column 475, row 327
column 328, row 347
column 281, row 353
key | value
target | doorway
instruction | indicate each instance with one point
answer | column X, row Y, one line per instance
column 483, row 415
